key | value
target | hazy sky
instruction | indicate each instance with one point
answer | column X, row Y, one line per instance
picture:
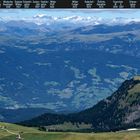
column 27, row 13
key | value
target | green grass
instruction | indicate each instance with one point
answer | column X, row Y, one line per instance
column 67, row 126
column 34, row 134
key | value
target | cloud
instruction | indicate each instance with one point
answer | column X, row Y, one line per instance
column 82, row 20
column 78, row 19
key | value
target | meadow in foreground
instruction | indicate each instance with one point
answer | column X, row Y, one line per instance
column 34, row 134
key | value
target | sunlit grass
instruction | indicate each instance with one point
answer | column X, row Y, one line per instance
column 34, row 134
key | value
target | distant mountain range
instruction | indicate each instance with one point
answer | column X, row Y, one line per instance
column 71, row 21
column 65, row 69
column 17, row 115
column 119, row 111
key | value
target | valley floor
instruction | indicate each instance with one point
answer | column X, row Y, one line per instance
column 34, row 134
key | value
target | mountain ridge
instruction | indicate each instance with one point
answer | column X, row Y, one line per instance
column 111, row 114
column 68, row 68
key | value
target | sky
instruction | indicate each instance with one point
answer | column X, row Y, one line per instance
column 29, row 13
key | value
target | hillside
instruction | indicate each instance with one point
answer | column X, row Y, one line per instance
column 12, row 115
column 119, row 111
column 14, row 129
column 64, row 69
column 33, row 134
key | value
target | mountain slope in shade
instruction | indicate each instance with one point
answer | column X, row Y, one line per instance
column 119, row 111
column 68, row 69
column 16, row 115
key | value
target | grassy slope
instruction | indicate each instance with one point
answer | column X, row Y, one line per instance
column 68, row 126
column 33, row 134
column 15, row 128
